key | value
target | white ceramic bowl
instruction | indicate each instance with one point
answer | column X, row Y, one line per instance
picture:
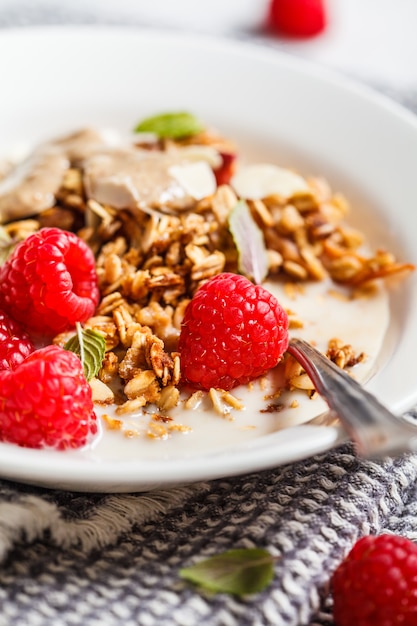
column 58, row 79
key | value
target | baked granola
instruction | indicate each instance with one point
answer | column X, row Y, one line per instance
column 152, row 255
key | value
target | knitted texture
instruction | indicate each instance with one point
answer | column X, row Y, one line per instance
column 114, row 559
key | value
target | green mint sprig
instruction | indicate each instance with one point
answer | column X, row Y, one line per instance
column 238, row 572
column 171, row 125
column 90, row 347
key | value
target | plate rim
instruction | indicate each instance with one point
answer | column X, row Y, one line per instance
column 235, row 43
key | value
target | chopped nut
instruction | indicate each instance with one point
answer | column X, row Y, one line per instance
column 352, row 239
column 140, row 384
column 194, row 400
column 291, row 220
column 263, row 212
column 21, row 229
column 345, row 268
column 303, row 381
column 275, row 260
column 109, row 368
column 157, row 358
column 109, row 303
column 293, row 320
column 343, row 354
column 224, row 200
column 106, row 327
column 176, row 369
column 72, row 181
column 113, row 268
column 292, row 368
column 125, row 325
column 295, row 270
column 293, row 290
column 216, row 399
column 112, row 423
column 232, row 401
column 102, row 394
column 131, row 406
column 314, row 266
column 168, row 398
column 157, row 431
column 135, row 356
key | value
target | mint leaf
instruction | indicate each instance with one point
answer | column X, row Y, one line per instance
column 238, row 572
column 170, row 125
column 90, row 346
column 249, row 241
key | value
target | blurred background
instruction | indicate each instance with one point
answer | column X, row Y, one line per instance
column 372, row 40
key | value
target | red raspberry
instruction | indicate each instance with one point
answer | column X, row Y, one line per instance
column 47, row 402
column 233, row 331
column 226, row 170
column 15, row 344
column 49, row 282
column 297, row 18
column 377, row 583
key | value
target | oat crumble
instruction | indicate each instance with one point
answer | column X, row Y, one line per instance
column 150, row 262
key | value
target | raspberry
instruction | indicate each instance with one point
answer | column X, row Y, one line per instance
column 15, row 345
column 226, row 170
column 49, row 282
column 47, row 402
column 233, row 331
column 297, row 18
column 377, row 583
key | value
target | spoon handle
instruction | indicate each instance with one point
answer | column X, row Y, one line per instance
column 375, row 431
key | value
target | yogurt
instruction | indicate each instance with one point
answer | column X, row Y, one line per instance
column 326, row 312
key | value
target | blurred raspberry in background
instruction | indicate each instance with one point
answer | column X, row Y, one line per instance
column 297, row 18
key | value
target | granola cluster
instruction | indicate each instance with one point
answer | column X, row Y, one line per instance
column 151, row 261
column 342, row 354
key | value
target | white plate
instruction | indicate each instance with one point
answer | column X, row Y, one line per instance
column 54, row 80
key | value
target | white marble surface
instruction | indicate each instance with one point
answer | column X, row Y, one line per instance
column 373, row 40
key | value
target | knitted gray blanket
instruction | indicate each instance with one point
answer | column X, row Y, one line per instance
column 107, row 560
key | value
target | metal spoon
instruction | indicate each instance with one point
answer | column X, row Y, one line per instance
column 375, row 431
